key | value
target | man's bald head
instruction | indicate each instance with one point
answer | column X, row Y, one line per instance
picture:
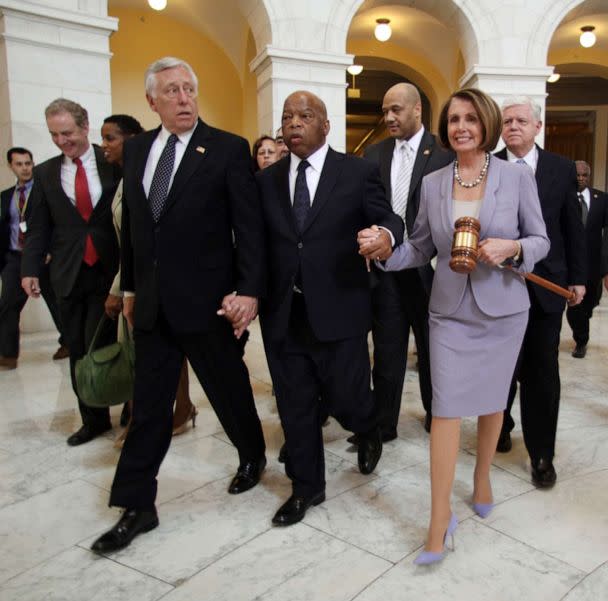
column 304, row 123
column 583, row 173
column 402, row 109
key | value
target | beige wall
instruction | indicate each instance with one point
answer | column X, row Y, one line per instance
column 141, row 39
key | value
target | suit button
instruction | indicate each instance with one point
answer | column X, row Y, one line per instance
column 300, row 245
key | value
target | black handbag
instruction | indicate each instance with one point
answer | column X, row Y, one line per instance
column 105, row 376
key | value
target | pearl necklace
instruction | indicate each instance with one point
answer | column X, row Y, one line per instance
column 478, row 179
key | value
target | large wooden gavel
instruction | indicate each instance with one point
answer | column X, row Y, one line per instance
column 465, row 253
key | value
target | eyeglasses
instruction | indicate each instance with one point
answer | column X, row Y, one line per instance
column 173, row 91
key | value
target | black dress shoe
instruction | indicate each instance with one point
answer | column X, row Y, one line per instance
column 85, row 434
column 580, row 351
column 504, row 444
column 543, row 473
column 369, row 451
column 428, row 418
column 387, row 436
column 294, row 509
column 247, row 476
column 131, row 523
column 283, row 454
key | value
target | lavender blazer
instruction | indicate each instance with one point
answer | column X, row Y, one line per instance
column 510, row 210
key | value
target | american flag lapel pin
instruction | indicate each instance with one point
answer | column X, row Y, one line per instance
column 427, row 151
column 200, row 149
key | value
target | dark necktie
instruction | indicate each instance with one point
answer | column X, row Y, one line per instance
column 159, row 189
column 584, row 209
column 21, row 207
column 85, row 208
column 301, row 196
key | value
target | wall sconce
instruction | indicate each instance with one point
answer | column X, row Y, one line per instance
column 353, row 92
column 553, row 77
column 587, row 38
column 158, row 4
column 383, row 30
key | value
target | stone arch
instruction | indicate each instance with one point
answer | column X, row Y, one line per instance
column 542, row 32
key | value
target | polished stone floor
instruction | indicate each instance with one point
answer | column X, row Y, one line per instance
column 359, row 544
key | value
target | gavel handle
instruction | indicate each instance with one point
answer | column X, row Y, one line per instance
column 532, row 277
column 567, row 294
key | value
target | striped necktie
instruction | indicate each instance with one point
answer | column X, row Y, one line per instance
column 402, row 183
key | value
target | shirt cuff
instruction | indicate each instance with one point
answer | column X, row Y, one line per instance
column 128, row 293
column 390, row 234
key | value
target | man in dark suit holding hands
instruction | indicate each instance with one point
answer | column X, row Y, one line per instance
column 538, row 365
column 72, row 220
column 400, row 299
column 594, row 214
column 187, row 188
column 317, row 313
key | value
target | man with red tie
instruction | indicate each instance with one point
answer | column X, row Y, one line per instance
column 72, row 220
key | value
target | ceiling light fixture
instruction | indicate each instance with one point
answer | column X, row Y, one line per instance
column 587, row 38
column 553, row 78
column 353, row 92
column 383, row 30
column 158, row 4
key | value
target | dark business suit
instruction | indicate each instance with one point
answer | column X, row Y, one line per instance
column 13, row 297
column 180, row 269
column 400, row 300
column 538, row 366
column 57, row 227
column 316, row 341
column 597, row 220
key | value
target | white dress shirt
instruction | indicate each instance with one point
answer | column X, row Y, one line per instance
column 313, row 173
column 68, row 176
column 531, row 159
column 156, row 150
column 414, row 144
column 587, row 197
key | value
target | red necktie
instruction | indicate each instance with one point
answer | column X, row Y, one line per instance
column 21, row 206
column 85, row 208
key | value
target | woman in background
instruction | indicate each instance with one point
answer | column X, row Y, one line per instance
column 264, row 153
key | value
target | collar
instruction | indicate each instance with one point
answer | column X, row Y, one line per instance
column 85, row 157
column 316, row 159
column 413, row 142
column 531, row 158
column 184, row 138
column 28, row 186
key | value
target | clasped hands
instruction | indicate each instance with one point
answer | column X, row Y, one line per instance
column 374, row 243
column 239, row 310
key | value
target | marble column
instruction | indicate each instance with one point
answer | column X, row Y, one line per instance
column 50, row 49
column 282, row 71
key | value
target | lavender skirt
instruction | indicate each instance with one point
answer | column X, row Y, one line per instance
column 473, row 357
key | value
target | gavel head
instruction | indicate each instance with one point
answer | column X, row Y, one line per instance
column 464, row 245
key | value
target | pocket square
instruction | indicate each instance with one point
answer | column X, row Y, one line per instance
column 200, row 149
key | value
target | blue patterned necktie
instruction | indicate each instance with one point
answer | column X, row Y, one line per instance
column 162, row 176
column 301, row 196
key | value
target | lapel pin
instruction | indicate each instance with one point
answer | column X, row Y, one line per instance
column 427, row 151
column 200, row 149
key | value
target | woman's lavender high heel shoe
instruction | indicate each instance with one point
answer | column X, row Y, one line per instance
column 483, row 510
column 425, row 558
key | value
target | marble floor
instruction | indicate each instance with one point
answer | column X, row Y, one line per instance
column 359, row 544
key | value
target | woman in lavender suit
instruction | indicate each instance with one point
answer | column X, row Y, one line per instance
column 477, row 321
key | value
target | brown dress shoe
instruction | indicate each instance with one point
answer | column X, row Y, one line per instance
column 7, row 363
column 61, row 353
